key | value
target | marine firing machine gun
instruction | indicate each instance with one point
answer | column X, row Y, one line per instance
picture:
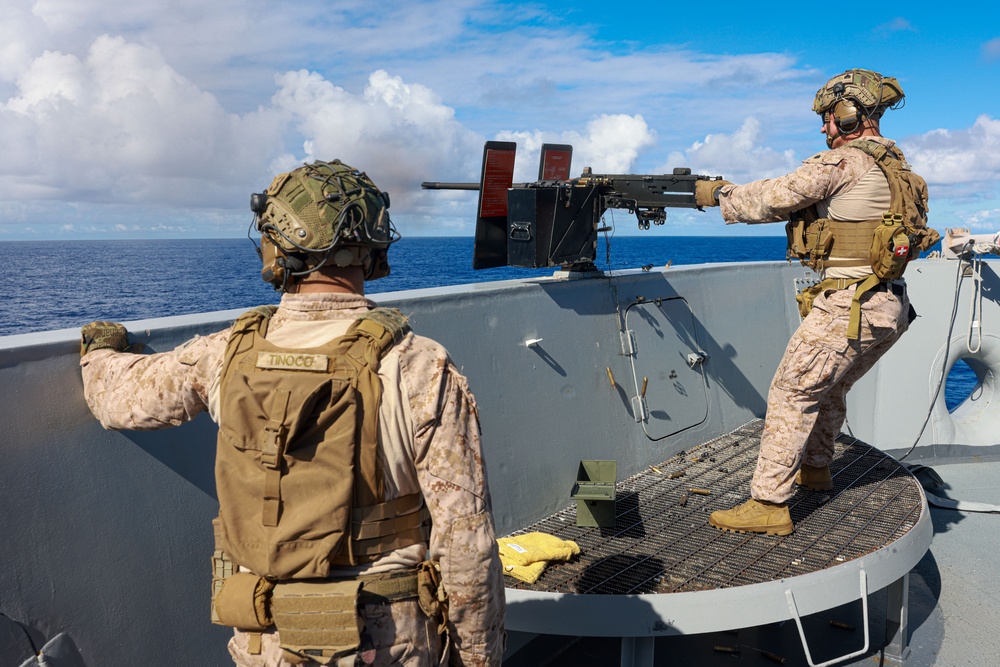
column 555, row 220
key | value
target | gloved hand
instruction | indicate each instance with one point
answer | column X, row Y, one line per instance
column 704, row 192
column 104, row 335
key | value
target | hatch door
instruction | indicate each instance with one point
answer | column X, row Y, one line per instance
column 668, row 366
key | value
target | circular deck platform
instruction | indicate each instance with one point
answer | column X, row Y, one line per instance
column 662, row 570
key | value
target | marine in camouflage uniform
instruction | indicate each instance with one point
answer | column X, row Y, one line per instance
column 806, row 401
column 429, row 443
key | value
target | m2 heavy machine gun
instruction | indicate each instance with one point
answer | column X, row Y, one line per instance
column 555, row 220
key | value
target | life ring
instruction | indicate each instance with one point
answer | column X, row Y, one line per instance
column 972, row 422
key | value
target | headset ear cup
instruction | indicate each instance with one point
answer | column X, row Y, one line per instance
column 846, row 116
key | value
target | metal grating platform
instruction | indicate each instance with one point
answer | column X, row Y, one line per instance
column 662, row 543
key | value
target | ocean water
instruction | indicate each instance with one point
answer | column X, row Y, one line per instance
column 66, row 284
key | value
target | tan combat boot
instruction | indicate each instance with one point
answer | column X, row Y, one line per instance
column 754, row 516
column 814, row 479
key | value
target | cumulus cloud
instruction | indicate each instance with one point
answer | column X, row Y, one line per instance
column 400, row 133
column 740, row 156
column 950, row 157
column 610, row 145
column 121, row 125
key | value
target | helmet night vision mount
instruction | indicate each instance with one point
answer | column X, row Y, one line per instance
column 855, row 96
column 322, row 214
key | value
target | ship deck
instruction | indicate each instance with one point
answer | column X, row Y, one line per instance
column 662, row 543
column 863, row 536
column 952, row 594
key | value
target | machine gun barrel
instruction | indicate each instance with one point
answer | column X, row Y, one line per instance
column 436, row 185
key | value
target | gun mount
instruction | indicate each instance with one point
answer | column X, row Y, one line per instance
column 555, row 220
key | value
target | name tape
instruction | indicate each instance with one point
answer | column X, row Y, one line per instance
column 291, row 361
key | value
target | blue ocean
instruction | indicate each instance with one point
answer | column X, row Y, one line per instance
column 71, row 283
column 66, row 284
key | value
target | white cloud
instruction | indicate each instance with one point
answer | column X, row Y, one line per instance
column 400, row 133
column 121, row 125
column 951, row 157
column 610, row 145
column 739, row 157
column 988, row 220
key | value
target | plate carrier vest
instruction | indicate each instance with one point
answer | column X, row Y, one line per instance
column 298, row 471
column 886, row 245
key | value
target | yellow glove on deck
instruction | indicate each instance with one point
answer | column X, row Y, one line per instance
column 525, row 556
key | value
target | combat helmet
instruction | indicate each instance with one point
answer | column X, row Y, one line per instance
column 855, row 96
column 322, row 214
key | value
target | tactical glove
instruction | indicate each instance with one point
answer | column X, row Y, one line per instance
column 704, row 192
column 104, row 335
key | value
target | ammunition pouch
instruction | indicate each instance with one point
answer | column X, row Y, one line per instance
column 806, row 297
column 431, row 596
column 243, row 602
column 809, row 238
column 318, row 620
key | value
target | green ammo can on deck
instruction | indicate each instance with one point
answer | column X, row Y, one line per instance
column 594, row 493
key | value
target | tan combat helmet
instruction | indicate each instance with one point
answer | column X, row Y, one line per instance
column 322, row 214
column 855, row 96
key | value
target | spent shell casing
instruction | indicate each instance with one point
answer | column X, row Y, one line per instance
column 842, row 626
column 700, row 492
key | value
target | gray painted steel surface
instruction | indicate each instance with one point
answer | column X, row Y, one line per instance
column 107, row 535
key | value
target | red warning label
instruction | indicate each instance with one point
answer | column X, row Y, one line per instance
column 498, row 176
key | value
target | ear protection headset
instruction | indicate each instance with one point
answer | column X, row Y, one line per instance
column 847, row 115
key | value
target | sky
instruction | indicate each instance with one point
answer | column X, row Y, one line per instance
column 133, row 119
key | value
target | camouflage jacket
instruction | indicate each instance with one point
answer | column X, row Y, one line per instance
column 441, row 445
column 823, row 177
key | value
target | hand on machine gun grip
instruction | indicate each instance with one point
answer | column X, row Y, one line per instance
column 704, row 192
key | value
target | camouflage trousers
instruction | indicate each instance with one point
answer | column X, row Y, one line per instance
column 394, row 634
column 806, row 405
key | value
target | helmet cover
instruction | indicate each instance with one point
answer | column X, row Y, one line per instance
column 323, row 214
column 869, row 89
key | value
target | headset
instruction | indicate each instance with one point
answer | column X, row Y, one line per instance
column 847, row 114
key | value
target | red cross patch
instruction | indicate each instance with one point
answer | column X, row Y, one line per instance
column 902, row 250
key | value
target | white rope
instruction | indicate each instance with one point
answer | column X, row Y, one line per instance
column 976, row 305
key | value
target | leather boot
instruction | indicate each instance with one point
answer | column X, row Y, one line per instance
column 814, row 479
column 754, row 516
